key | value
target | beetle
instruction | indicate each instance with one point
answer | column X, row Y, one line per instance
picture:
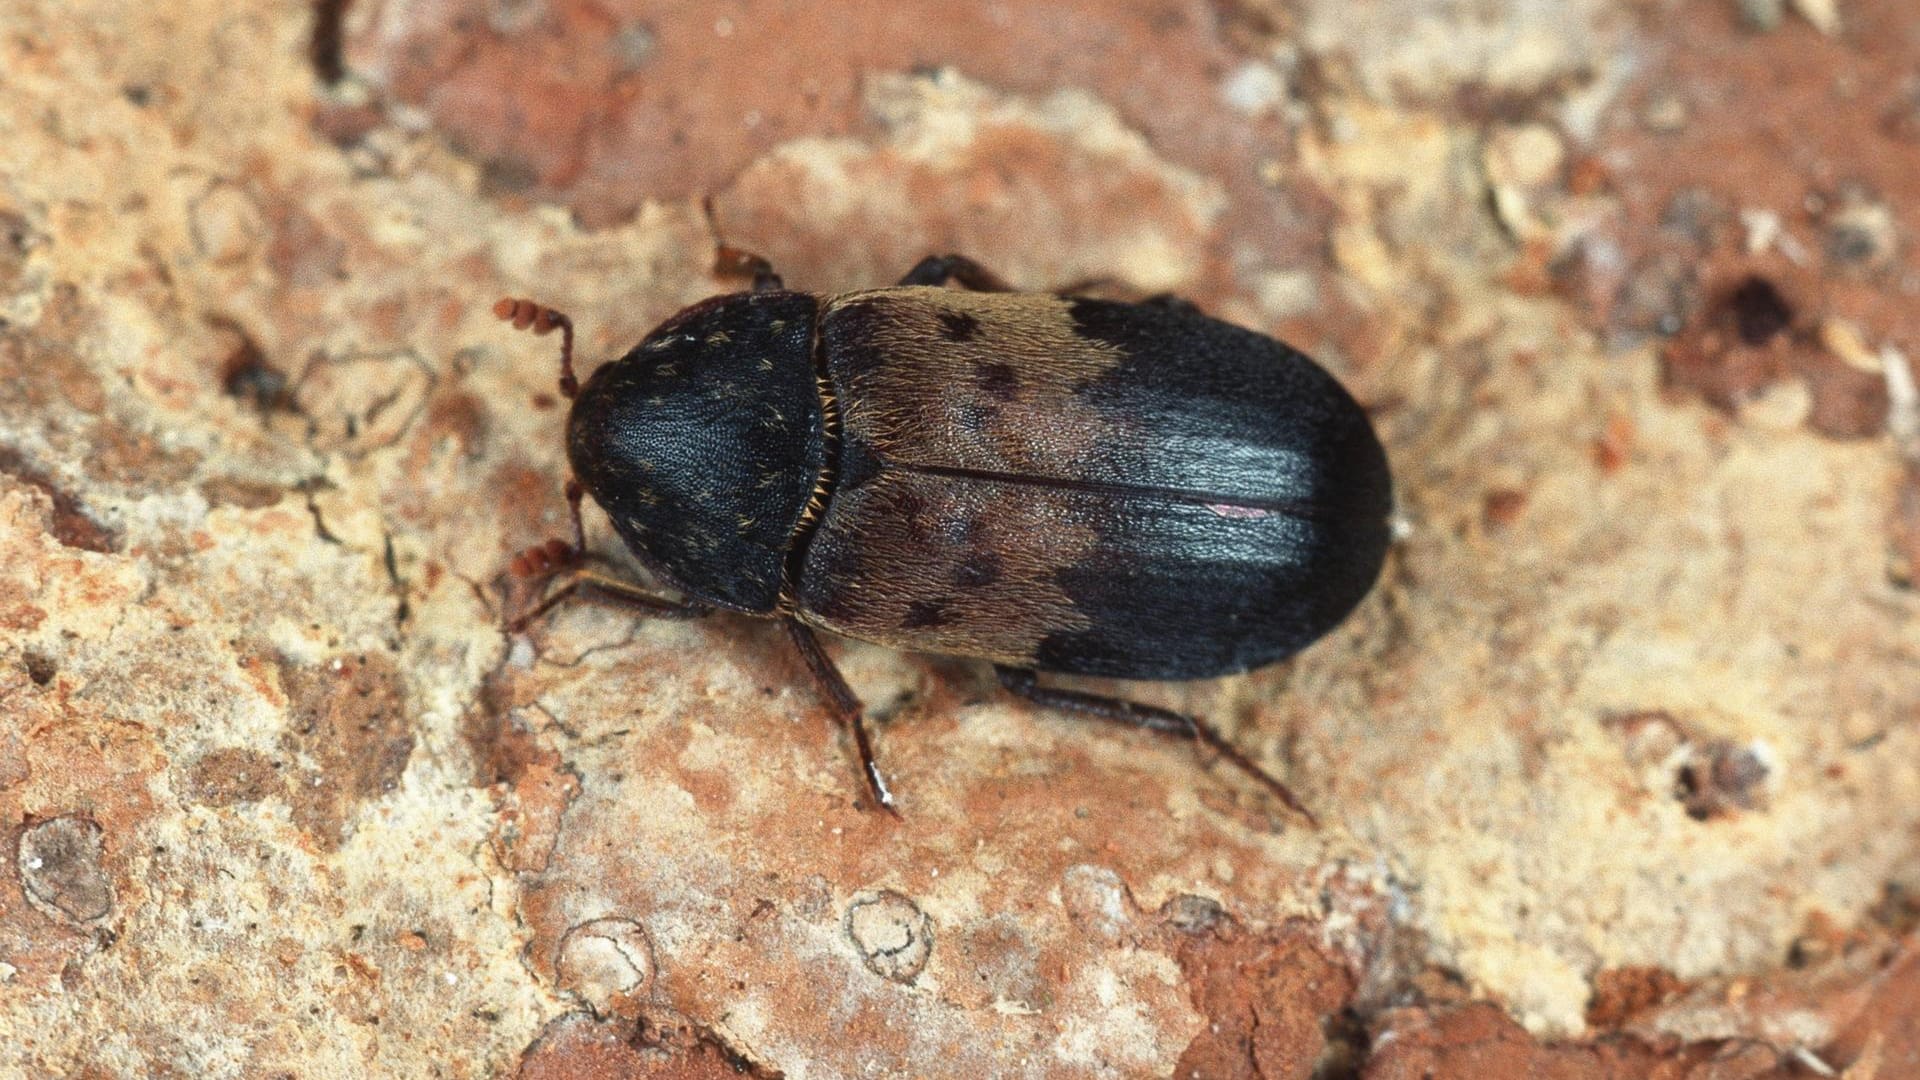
column 1045, row 481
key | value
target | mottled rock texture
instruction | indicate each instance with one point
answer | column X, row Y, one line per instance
column 1619, row 766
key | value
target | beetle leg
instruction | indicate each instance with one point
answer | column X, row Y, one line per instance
column 730, row 261
column 940, row 269
column 840, row 696
column 1024, row 683
column 590, row 584
column 527, row 315
column 544, row 559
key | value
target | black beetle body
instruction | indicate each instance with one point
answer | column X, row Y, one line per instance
column 1049, row 483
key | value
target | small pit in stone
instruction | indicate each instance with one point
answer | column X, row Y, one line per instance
column 1758, row 310
column 1720, row 778
column 60, row 864
column 41, row 668
column 245, row 372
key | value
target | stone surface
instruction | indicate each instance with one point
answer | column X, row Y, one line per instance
column 1619, row 767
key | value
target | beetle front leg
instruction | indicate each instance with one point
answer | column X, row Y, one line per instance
column 589, row 585
column 940, row 269
column 545, row 560
column 845, row 704
column 1025, row 683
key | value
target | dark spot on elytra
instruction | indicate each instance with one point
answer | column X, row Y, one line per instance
column 980, row 569
column 852, row 328
column 998, row 381
column 923, row 613
column 958, row 325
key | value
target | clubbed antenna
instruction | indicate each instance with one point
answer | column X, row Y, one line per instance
column 527, row 315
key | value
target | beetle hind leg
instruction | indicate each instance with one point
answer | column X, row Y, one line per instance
column 1024, row 683
column 845, row 705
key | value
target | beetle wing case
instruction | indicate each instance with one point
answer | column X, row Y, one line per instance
column 1086, row 486
column 705, row 442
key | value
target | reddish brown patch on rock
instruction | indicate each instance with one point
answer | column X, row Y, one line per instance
column 67, row 519
column 303, row 252
column 601, row 106
column 1886, row 1032
column 1006, row 965
column 1502, row 507
column 1779, row 199
column 1715, row 374
column 245, row 494
column 232, row 776
column 578, row 1047
column 1480, row 1042
column 40, row 375
column 1848, row 403
column 1267, row 999
column 458, row 417
column 349, row 723
column 1619, row 994
column 136, row 459
column 531, row 811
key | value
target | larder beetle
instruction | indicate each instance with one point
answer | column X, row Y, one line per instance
column 1045, row 482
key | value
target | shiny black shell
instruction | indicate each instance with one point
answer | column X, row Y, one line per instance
column 1072, row 485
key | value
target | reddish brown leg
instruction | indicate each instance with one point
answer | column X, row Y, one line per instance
column 841, row 698
column 592, row 585
column 940, row 269
column 1024, row 683
column 730, row 261
column 527, row 315
column 545, row 560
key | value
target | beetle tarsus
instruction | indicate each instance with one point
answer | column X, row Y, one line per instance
column 1025, row 683
column 940, row 269
column 527, row 315
column 841, row 697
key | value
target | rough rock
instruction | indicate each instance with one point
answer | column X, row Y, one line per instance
column 1619, row 767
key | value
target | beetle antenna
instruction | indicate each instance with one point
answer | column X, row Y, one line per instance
column 527, row 315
